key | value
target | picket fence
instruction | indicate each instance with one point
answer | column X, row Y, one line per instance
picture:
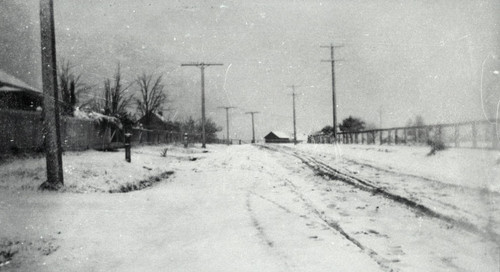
column 473, row 134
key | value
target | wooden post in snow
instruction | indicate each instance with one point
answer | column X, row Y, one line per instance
column 51, row 119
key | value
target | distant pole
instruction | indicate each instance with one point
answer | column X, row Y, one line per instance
column 202, row 68
column 53, row 150
column 332, row 61
column 380, row 116
column 227, row 121
column 253, row 127
column 294, row 122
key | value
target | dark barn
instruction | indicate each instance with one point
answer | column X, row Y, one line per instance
column 276, row 137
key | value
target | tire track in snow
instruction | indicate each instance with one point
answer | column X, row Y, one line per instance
column 325, row 170
column 261, row 233
column 330, row 223
column 436, row 183
column 335, row 226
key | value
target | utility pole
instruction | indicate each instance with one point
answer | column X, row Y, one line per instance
column 380, row 116
column 202, row 68
column 253, row 127
column 294, row 122
column 53, row 150
column 332, row 61
column 227, row 121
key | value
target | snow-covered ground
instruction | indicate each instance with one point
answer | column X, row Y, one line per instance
column 250, row 208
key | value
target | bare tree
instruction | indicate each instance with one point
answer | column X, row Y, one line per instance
column 71, row 87
column 116, row 99
column 152, row 97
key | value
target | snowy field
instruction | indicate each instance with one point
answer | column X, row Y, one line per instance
column 255, row 208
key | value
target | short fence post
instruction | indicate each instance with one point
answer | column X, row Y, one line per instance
column 127, row 147
column 457, row 144
column 396, row 140
column 405, row 132
column 380, row 137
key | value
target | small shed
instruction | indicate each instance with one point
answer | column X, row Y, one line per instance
column 276, row 137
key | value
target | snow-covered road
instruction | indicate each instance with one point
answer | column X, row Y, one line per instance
column 243, row 208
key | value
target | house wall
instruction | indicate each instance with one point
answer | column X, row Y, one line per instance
column 277, row 141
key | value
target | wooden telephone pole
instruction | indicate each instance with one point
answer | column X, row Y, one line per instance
column 227, row 121
column 51, row 120
column 202, row 68
column 253, row 127
column 294, row 122
column 332, row 61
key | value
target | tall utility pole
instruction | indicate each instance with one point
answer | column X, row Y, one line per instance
column 380, row 116
column 332, row 60
column 227, row 121
column 294, row 122
column 202, row 68
column 253, row 127
column 51, row 120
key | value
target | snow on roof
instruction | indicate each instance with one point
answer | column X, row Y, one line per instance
column 11, row 83
column 280, row 134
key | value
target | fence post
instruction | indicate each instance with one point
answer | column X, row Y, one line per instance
column 380, row 137
column 440, row 133
column 396, row 140
column 405, row 132
column 457, row 144
column 474, row 135
column 494, row 137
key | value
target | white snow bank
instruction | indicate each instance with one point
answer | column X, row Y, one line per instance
column 476, row 168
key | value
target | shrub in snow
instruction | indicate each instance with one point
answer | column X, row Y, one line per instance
column 163, row 153
column 436, row 145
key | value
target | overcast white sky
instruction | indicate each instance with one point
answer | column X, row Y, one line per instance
column 406, row 57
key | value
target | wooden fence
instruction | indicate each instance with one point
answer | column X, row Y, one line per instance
column 473, row 134
column 22, row 131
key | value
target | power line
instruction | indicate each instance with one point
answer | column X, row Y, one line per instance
column 227, row 120
column 253, row 127
column 332, row 61
column 202, row 66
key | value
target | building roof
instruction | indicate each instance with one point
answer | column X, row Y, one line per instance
column 278, row 134
column 150, row 117
column 12, row 84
